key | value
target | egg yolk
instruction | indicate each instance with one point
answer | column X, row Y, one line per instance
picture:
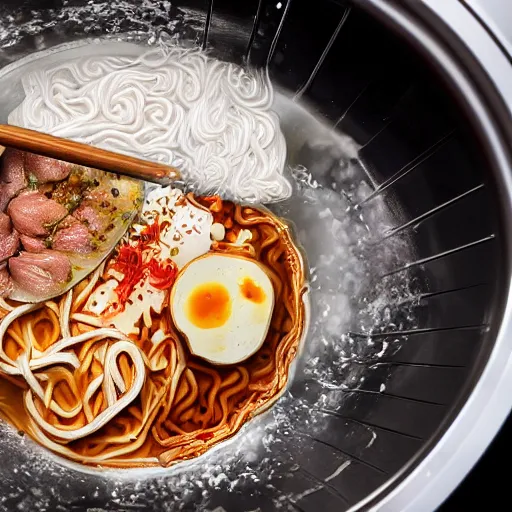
column 209, row 306
column 252, row 291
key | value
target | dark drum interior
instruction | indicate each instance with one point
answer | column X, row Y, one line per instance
column 422, row 157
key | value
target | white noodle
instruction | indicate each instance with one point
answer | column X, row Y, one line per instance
column 65, row 310
column 115, row 405
column 90, row 286
column 5, row 306
column 211, row 119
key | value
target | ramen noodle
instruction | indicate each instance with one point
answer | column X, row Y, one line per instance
column 103, row 376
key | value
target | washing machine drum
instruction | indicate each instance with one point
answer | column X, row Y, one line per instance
column 426, row 134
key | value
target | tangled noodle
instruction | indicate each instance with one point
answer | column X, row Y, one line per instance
column 211, row 119
column 95, row 396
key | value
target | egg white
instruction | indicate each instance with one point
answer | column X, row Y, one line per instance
column 247, row 326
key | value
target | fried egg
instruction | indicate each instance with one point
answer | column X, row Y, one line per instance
column 223, row 305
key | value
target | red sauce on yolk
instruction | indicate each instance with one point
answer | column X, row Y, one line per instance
column 252, row 291
column 209, row 306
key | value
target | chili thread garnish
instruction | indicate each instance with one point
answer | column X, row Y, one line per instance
column 135, row 265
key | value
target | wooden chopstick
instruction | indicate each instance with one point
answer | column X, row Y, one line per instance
column 83, row 154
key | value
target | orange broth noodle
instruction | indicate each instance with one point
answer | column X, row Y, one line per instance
column 93, row 395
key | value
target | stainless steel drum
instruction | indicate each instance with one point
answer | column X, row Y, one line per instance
column 414, row 101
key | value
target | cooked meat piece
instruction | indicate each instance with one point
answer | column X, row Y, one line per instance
column 40, row 274
column 9, row 244
column 5, row 224
column 46, row 169
column 32, row 244
column 5, row 281
column 89, row 217
column 9, row 238
column 75, row 238
column 32, row 213
column 68, row 222
column 12, row 176
column 4, row 197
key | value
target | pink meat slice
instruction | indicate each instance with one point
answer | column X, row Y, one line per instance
column 5, row 281
column 4, row 198
column 9, row 238
column 12, row 176
column 46, row 169
column 40, row 274
column 9, row 244
column 89, row 217
column 32, row 244
column 75, row 238
column 68, row 222
column 5, row 224
column 31, row 211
